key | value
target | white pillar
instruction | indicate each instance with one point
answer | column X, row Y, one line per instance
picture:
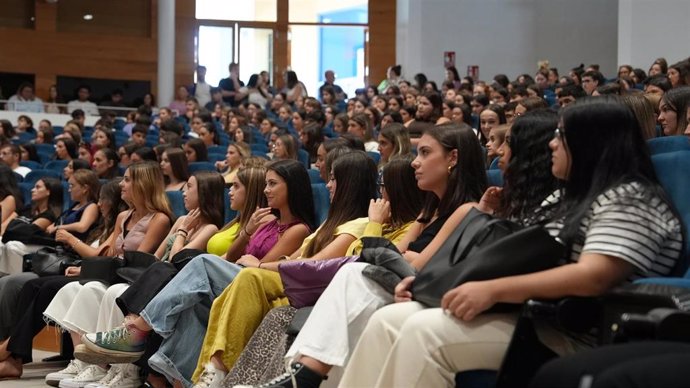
column 166, row 51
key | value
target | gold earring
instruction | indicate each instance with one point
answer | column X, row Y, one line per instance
column 449, row 169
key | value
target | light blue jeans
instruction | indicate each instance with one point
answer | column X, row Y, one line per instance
column 179, row 314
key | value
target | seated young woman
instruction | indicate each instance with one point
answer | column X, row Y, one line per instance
column 450, row 167
column 45, row 208
column 81, row 309
column 390, row 217
column 246, row 195
column 10, row 195
column 182, row 306
column 612, row 215
column 20, row 304
column 174, row 165
column 80, row 218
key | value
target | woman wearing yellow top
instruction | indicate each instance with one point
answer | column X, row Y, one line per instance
column 239, row 310
column 232, row 323
column 352, row 186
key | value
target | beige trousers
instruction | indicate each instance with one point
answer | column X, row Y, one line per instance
column 408, row 345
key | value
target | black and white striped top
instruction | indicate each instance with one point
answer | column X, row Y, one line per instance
column 629, row 222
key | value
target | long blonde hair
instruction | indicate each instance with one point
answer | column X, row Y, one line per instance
column 148, row 183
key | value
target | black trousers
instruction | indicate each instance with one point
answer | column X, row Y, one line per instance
column 33, row 301
column 146, row 287
column 631, row 365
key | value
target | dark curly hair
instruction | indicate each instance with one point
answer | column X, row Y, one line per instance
column 528, row 178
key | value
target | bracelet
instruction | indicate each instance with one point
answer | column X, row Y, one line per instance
column 182, row 232
column 245, row 232
column 260, row 264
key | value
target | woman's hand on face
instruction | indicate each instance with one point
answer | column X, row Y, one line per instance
column 491, row 200
column 379, row 210
column 191, row 220
column 260, row 217
column 402, row 290
column 468, row 300
column 249, row 261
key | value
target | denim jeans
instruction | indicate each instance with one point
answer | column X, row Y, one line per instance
column 179, row 314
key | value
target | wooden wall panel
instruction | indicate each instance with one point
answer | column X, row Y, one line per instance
column 47, row 53
column 381, row 47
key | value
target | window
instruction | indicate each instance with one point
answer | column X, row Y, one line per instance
column 329, row 11
column 239, row 10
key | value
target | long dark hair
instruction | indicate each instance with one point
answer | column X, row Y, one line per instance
column 619, row 155
column 199, row 148
column 467, row 180
column 71, row 147
column 210, row 192
column 678, row 99
column 300, row 198
column 355, row 174
column 405, row 197
column 178, row 163
column 8, row 185
column 55, row 197
column 528, row 178
column 110, row 192
column 113, row 170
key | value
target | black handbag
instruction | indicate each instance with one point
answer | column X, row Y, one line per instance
column 49, row 261
column 134, row 263
column 101, row 269
column 483, row 247
column 23, row 230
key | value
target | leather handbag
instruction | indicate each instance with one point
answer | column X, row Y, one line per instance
column 101, row 269
column 134, row 263
column 23, row 230
column 49, row 261
column 388, row 266
column 305, row 280
column 483, row 247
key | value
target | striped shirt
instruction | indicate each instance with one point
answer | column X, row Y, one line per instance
column 629, row 222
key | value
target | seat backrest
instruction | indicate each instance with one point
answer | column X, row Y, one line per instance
column 375, row 156
column 494, row 177
column 229, row 213
column 30, row 164
column 494, row 164
column 673, row 171
column 56, row 165
column 303, row 157
column 35, row 175
column 661, row 145
column 322, row 201
column 201, row 166
column 315, row 176
column 25, row 188
column 176, row 202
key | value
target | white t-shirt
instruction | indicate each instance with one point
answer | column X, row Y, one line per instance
column 22, row 170
column 88, row 107
column 202, row 93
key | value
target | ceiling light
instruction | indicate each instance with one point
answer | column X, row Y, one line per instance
column 88, row 16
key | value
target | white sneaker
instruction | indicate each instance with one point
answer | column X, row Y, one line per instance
column 210, row 377
column 112, row 372
column 71, row 371
column 128, row 377
column 91, row 374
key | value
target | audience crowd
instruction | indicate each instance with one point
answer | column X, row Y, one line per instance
column 176, row 227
